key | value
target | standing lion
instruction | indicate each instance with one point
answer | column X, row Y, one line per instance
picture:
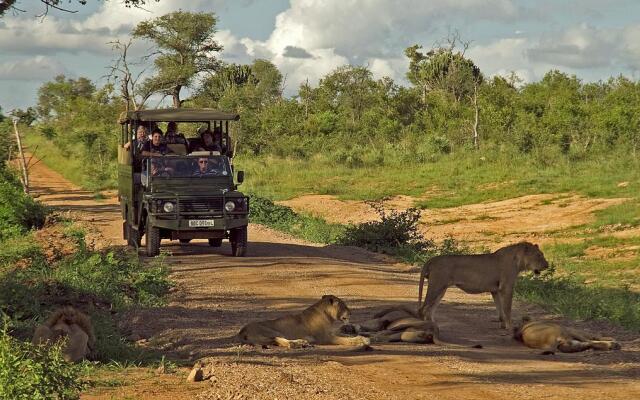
column 495, row 273
column 71, row 325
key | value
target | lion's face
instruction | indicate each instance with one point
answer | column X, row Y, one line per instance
column 534, row 259
column 336, row 308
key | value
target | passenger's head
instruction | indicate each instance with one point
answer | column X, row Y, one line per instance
column 156, row 136
column 141, row 132
column 207, row 137
column 203, row 163
column 172, row 127
column 217, row 133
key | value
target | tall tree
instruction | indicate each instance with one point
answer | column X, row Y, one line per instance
column 184, row 47
column 54, row 96
column 445, row 68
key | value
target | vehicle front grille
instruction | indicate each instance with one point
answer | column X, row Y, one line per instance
column 201, row 206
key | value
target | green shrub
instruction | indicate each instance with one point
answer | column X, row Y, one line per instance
column 394, row 230
column 18, row 211
column 36, row 372
column 397, row 233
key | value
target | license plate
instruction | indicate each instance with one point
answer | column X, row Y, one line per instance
column 196, row 223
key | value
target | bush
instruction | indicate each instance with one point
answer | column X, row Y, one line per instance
column 396, row 233
column 18, row 211
column 36, row 372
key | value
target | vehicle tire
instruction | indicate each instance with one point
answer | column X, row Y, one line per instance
column 238, row 239
column 215, row 242
column 133, row 237
column 153, row 239
column 184, row 241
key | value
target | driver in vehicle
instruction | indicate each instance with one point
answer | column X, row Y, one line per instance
column 203, row 167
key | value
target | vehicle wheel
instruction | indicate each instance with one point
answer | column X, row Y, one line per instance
column 238, row 239
column 153, row 239
column 184, row 241
column 215, row 242
column 133, row 237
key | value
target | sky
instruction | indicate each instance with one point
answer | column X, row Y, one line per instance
column 307, row 39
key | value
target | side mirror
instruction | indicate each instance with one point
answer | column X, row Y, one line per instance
column 240, row 176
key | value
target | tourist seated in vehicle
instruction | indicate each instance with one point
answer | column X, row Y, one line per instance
column 172, row 136
column 207, row 142
column 138, row 142
column 158, row 167
column 155, row 145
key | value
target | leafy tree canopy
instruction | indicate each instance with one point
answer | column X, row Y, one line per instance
column 184, row 47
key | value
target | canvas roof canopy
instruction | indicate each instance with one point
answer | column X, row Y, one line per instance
column 178, row 115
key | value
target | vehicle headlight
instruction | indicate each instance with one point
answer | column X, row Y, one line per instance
column 168, row 207
column 230, row 206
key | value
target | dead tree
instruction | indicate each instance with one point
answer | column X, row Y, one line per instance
column 24, row 179
column 133, row 93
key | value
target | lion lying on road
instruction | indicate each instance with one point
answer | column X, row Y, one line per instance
column 312, row 326
column 496, row 273
column 71, row 325
column 401, row 324
column 551, row 337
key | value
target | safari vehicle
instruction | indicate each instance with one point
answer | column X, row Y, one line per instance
column 172, row 196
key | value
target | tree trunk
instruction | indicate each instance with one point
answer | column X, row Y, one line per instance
column 176, row 96
column 23, row 163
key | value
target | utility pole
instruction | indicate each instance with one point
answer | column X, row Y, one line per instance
column 23, row 164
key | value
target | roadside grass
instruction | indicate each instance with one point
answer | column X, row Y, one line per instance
column 570, row 296
column 281, row 218
column 461, row 178
column 72, row 168
column 100, row 282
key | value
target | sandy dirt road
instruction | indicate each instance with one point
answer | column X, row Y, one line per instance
column 216, row 294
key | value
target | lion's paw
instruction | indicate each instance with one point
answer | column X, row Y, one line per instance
column 364, row 341
column 298, row 344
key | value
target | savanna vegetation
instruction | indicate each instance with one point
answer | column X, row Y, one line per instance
column 450, row 128
column 46, row 263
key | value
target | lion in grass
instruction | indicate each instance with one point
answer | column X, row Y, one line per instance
column 73, row 327
column 495, row 273
column 551, row 337
column 312, row 326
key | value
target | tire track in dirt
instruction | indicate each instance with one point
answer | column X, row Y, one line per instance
column 216, row 294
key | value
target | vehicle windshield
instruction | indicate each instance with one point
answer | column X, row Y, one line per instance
column 186, row 166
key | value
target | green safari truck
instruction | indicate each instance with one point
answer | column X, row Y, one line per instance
column 185, row 192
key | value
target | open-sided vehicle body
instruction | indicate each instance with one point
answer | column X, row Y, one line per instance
column 180, row 195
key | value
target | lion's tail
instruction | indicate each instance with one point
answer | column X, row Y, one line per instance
column 424, row 273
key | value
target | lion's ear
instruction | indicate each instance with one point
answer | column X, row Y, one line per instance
column 328, row 297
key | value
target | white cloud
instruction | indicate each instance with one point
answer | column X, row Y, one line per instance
column 582, row 46
column 504, row 56
column 31, row 69
column 24, row 34
column 373, row 32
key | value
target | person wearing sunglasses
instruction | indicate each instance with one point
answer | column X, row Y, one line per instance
column 203, row 168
